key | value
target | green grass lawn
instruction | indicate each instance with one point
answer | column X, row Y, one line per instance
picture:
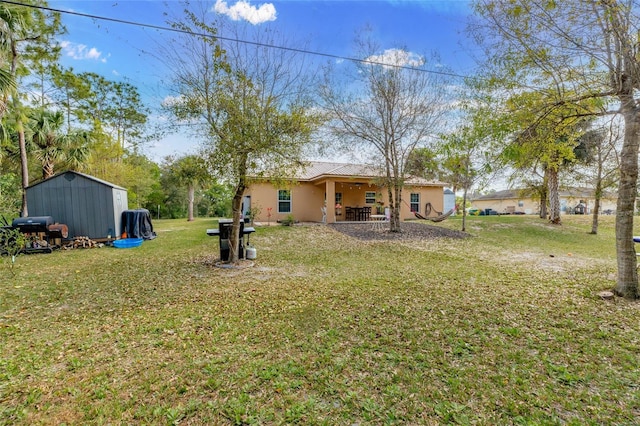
column 505, row 327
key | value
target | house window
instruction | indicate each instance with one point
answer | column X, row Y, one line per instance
column 370, row 197
column 284, row 201
column 339, row 198
column 520, row 203
column 415, row 202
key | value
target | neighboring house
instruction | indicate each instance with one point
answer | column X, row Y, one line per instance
column 337, row 187
column 572, row 201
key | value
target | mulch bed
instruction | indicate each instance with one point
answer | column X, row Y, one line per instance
column 409, row 231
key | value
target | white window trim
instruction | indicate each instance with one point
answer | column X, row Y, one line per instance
column 290, row 201
column 417, row 203
column 370, row 198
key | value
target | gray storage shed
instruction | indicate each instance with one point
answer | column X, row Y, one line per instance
column 89, row 206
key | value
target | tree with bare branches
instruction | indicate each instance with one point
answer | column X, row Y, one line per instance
column 388, row 103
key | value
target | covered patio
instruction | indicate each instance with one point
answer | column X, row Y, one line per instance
column 338, row 193
column 353, row 200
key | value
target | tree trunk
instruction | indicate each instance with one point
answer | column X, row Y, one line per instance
column 392, row 207
column 24, row 167
column 543, row 197
column 22, row 145
column 236, row 207
column 543, row 206
column 596, row 204
column 627, row 282
column 48, row 170
column 234, row 237
column 594, row 218
column 598, row 193
column 554, row 197
column 396, row 199
column 191, row 197
column 464, row 209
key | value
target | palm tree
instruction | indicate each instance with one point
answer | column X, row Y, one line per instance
column 51, row 147
column 21, row 25
column 191, row 171
column 11, row 21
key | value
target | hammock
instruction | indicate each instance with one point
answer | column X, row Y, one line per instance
column 439, row 218
column 427, row 210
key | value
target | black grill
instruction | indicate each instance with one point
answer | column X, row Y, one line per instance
column 33, row 224
column 42, row 230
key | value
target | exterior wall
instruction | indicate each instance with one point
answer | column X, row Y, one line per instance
column 529, row 206
column 567, row 204
column 508, row 205
column 428, row 194
column 307, row 200
column 120, row 203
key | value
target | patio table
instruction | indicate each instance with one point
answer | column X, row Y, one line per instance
column 378, row 222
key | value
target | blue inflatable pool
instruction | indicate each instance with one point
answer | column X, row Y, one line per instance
column 127, row 242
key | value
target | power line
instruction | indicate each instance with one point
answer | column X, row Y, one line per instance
column 253, row 43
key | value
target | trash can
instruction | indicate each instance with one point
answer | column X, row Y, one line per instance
column 225, row 225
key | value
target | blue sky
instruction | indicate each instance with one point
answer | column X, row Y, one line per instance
column 119, row 51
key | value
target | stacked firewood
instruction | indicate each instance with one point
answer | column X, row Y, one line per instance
column 81, row 242
column 39, row 243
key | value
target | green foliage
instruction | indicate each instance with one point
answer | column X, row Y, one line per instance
column 188, row 170
column 573, row 52
column 9, row 194
column 218, row 199
column 211, row 198
column 255, row 121
column 289, row 220
column 546, row 130
column 423, row 162
column 51, row 147
column 141, row 177
column 254, row 212
column 12, row 242
column 26, row 35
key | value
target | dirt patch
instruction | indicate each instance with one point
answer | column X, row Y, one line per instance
column 561, row 262
column 409, row 231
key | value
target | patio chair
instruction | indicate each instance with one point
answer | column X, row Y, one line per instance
column 349, row 214
column 366, row 213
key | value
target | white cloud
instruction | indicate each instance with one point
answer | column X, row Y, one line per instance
column 170, row 101
column 243, row 10
column 81, row 51
column 397, row 57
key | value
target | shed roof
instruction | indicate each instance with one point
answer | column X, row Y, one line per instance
column 92, row 178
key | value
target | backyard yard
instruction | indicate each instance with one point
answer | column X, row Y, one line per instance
column 500, row 326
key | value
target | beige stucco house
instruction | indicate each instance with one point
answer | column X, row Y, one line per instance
column 517, row 201
column 336, row 192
